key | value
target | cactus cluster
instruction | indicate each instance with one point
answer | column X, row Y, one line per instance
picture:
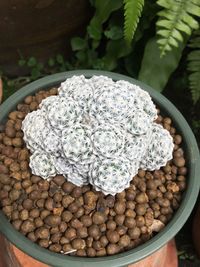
column 96, row 131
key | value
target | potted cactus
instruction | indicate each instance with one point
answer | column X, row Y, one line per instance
column 106, row 169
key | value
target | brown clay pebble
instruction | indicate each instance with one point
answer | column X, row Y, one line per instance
column 70, row 233
column 52, row 220
column 43, row 185
column 10, row 131
column 38, row 222
column 49, row 204
column 75, row 223
column 64, row 240
column 14, row 194
column 90, row 199
column 67, row 187
column 121, row 230
column 141, row 198
column 27, row 226
column 112, row 249
column 104, row 241
column 130, row 194
column 80, row 212
column 113, row 236
column 124, row 241
column 28, row 100
column 32, row 236
column 33, row 105
column 62, row 227
column 44, row 243
column 15, row 215
column 67, row 200
column 66, row 216
column 101, row 252
column 81, row 253
column 179, row 162
column 54, row 230
column 57, row 197
column 110, row 201
column 91, row 252
column 40, row 203
column 97, row 245
column 82, row 232
column 44, row 214
column 94, row 231
column 76, row 192
column 98, row 218
column 3, row 169
column 78, row 243
column 130, row 222
column 34, row 213
column 4, row 179
column 134, row 233
column 120, row 207
column 55, row 247
column 119, row 219
column 140, row 221
column 17, row 142
column 59, row 180
column 130, row 205
column 55, row 238
column 24, row 215
column 67, row 248
column 140, row 209
column 73, row 207
column 42, row 233
column 89, row 241
column 177, row 139
column 86, row 220
column 17, row 224
column 111, row 225
column 35, row 194
column 130, row 213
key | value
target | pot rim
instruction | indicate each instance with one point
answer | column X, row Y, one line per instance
column 156, row 242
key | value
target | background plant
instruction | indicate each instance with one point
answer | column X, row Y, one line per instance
column 142, row 38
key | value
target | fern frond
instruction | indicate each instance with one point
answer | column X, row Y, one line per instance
column 194, row 67
column 132, row 13
column 176, row 17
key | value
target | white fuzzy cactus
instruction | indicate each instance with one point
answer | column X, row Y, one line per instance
column 96, row 131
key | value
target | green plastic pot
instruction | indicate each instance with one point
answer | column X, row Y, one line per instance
column 142, row 251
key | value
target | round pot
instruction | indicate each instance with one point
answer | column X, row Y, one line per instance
column 136, row 254
column 196, row 232
column 39, row 28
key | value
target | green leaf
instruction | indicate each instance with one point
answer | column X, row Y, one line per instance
column 81, row 55
column 78, row 43
column 132, row 13
column 40, row 66
column 22, row 62
column 103, row 11
column 94, row 30
column 32, row 62
column 105, row 8
column 115, row 49
column 175, row 20
column 155, row 71
column 59, row 59
column 51, row 62
column 193, row 67
column 114, row 33
column 35, row 73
